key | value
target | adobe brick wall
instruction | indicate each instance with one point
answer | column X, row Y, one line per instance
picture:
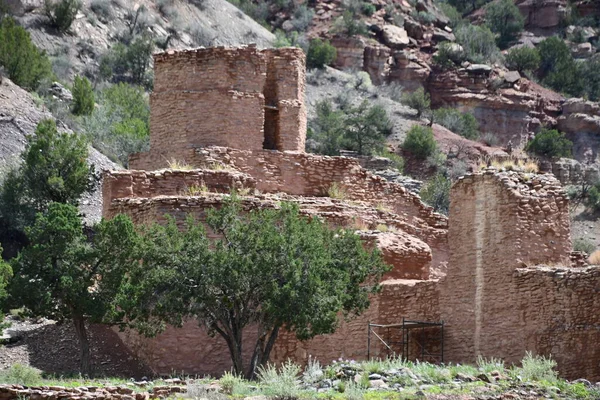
column 120, row 184
column 227, row 97
column 477, row 270
column 498, row 222
column 558, row 308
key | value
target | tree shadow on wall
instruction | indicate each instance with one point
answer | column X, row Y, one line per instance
column 54, row 349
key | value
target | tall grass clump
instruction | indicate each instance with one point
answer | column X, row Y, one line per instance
column 584, row 246
column 19, row 374
column 280, row 382
column 489, row 365
column 537, row 368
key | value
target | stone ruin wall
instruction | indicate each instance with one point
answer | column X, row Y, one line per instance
column 242, row 98
column 502, row 227
column 390, row 204
column 494, row 298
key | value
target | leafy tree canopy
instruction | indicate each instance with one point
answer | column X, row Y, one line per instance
column 551, row 144
column 504, row 18
column 270, row 268
column 54, row 169
column 65, row 275
column 23, row 62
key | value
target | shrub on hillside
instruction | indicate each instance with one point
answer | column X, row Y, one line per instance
column 302, row 18
column 22, row 61
column 478, row 43
column 458, row 122
column 349, row 25
column 452, row 13
column 320, row 54
column 119, row 126
column 366, row 128
column 558, row 69
column 83, row 96
column 523, row 59
column 128, row 62
column 550, row 143
column 436, row 193
column 504, row 18
column 584, row 245
column 466, row 6
column 449, row 55
column 418, row 100
column 420, row 142
column 61, row 13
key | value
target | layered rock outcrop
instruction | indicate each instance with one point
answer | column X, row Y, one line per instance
column 511, row 109
column 580, row 120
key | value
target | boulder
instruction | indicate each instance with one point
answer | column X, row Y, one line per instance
column 413, row 28
column 512, row 77
column 394, row 37
column 440, row 35
column 60, row 92
column 545, row 14
column 481, row 69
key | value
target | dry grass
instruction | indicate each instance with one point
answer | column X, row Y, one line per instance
column 337, row 191
column 527, row 165
column 244, row 191
column 179, row 165
column 381, row 228
column 383, row 207
column 197, row 190
column 594, row 258
column 360, row 225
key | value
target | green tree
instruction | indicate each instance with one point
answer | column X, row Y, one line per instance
column 54, row 169
column 558, row 69
column 23, row 63
column 6, row 274
column 436, row 193
column 464, row 124
column 83, row 96
column 418, row 100
column 523, row 59
column 550, row 143
column 592, row 200
column 271, row 269
column 64, row 275
column 61, row 13
column 119, row 126
column 366, row 128
column 478, row 43
column 504, row 18
column 327, row 128
column 420, row 142
column 466, row 6
column 320, row 54
column 139, row 53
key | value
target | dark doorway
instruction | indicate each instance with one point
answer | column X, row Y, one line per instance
column 272, row 139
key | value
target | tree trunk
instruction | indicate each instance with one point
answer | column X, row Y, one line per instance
column 235, row 349
column 84, row 345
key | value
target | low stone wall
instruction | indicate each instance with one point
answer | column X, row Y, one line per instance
column 190, row 349
column 558, row 310
column 312, row 175
column 146, row 184
column 409, row 252
column 14, row 392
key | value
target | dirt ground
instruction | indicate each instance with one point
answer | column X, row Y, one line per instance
column 585, row 226
column 54, row 349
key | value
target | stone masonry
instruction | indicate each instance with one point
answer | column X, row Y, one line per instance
column 498, row 271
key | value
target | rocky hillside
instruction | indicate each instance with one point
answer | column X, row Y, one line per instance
column 100, row 24
column 19, row 116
